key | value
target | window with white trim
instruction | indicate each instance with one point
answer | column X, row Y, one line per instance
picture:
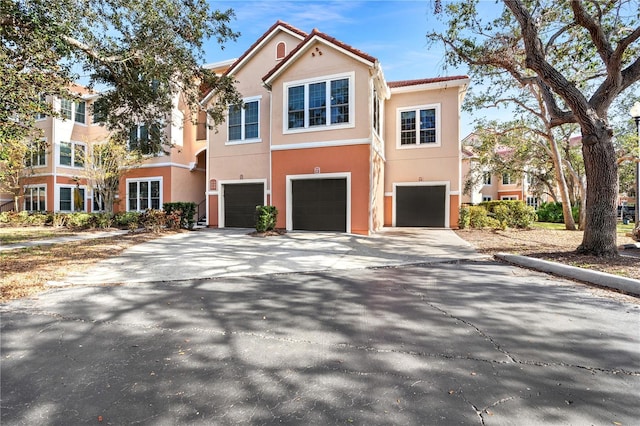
column 35, row 198
column 506, row 179
column 532, row 201
column 313, row 104
column 66, row 108
column 376, row 111
column 43, row 100
column 486, row 198
column 142, row 137
column 244, row 121
column 71, row 198
column 72, row 154
column 419, row 126
column 144, row 194
column 80, row 112
column 37, row 154
column 509, row 197
column 486, row 178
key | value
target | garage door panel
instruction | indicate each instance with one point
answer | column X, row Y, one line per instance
column 240, row 201
column 319, row 204
column 421, row 206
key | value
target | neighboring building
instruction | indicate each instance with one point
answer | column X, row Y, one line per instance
column 55, row 177
column 330, row 143
column 494, row 186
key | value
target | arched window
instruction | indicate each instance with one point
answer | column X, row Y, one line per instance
column 281, row 49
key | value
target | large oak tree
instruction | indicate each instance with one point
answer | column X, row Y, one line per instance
column 143, row 55
column 580, row 55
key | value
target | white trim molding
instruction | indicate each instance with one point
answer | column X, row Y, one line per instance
column 323, row 144
column 220, row 194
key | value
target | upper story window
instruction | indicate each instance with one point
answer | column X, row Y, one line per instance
column 43, row 100
column 320, row 103
column 244, row 121
column 80, row 116
column 76, row 110
column 419, row 126
column 145, row 139
column 506, row 179
column 66, row 108
column 36, row 154
column 281, row 50
column 72, row 154
column 486, row 178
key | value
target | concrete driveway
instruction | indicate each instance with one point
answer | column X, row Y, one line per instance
column 209, row 253
column 469, row 341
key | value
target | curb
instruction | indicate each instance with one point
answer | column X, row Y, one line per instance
column 627, row 285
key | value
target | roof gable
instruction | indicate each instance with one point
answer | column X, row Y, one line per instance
column 265, row 38
column 307, row 43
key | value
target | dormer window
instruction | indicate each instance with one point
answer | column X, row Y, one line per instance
column 281, row 51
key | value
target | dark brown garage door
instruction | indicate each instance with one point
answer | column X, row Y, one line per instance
column 319, row 204
column 240, row 201
column 422, row 206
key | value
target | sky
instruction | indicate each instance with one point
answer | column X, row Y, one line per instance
column 394, row 32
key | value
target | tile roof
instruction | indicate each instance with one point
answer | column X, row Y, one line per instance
column 406, row 83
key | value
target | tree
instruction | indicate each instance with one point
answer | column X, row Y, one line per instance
column 580, row 55
column 144, row 55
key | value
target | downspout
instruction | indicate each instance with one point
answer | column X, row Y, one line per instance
column 206, row 167
column 268, row 87
column 54, row 167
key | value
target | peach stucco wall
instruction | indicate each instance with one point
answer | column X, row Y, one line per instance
column 428, row 163
column 308, row 67
column 353, row 158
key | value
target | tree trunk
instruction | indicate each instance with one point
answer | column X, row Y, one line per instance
column 561, row 181
column 601, row 170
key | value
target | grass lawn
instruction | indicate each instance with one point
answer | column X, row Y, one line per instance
column 622, row 229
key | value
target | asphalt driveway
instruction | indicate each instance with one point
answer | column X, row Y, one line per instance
column 464, row 341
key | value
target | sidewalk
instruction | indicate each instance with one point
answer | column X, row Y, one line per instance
column 67, row 239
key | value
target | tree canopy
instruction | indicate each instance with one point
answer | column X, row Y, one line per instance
column 143, row 55
column 580, row 56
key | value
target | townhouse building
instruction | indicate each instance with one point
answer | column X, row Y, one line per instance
column 334, row 146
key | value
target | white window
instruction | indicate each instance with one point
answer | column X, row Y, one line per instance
column 66, row 108
column 486, row 198
column 244, row 121
column 506, row 179
column 35, row 198
column 532, row 201
column 71, row 198
column 43, row 100
column 486, row 178
column 80, row 112
column 144, row 194
column 72, row 154
column 145, row 138
column 317, row 104
column 36, row 155
column 509, row 197
column 419, row 126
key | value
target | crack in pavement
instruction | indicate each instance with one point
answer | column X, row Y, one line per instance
column 347, row 346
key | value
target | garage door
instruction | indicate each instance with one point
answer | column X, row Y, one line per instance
column 319, row 204
column 421, row 206
column 240, row 201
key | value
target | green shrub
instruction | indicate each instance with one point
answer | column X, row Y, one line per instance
column 101, row 220
column 185, row 211
column 60, row 220
column 510, row 213
column 521, row 215
column 126, row 220
column 266, row 218
column 501, row 214
column 479, row 218
column 463, row 218
column 552, row 212
column 79, row 220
